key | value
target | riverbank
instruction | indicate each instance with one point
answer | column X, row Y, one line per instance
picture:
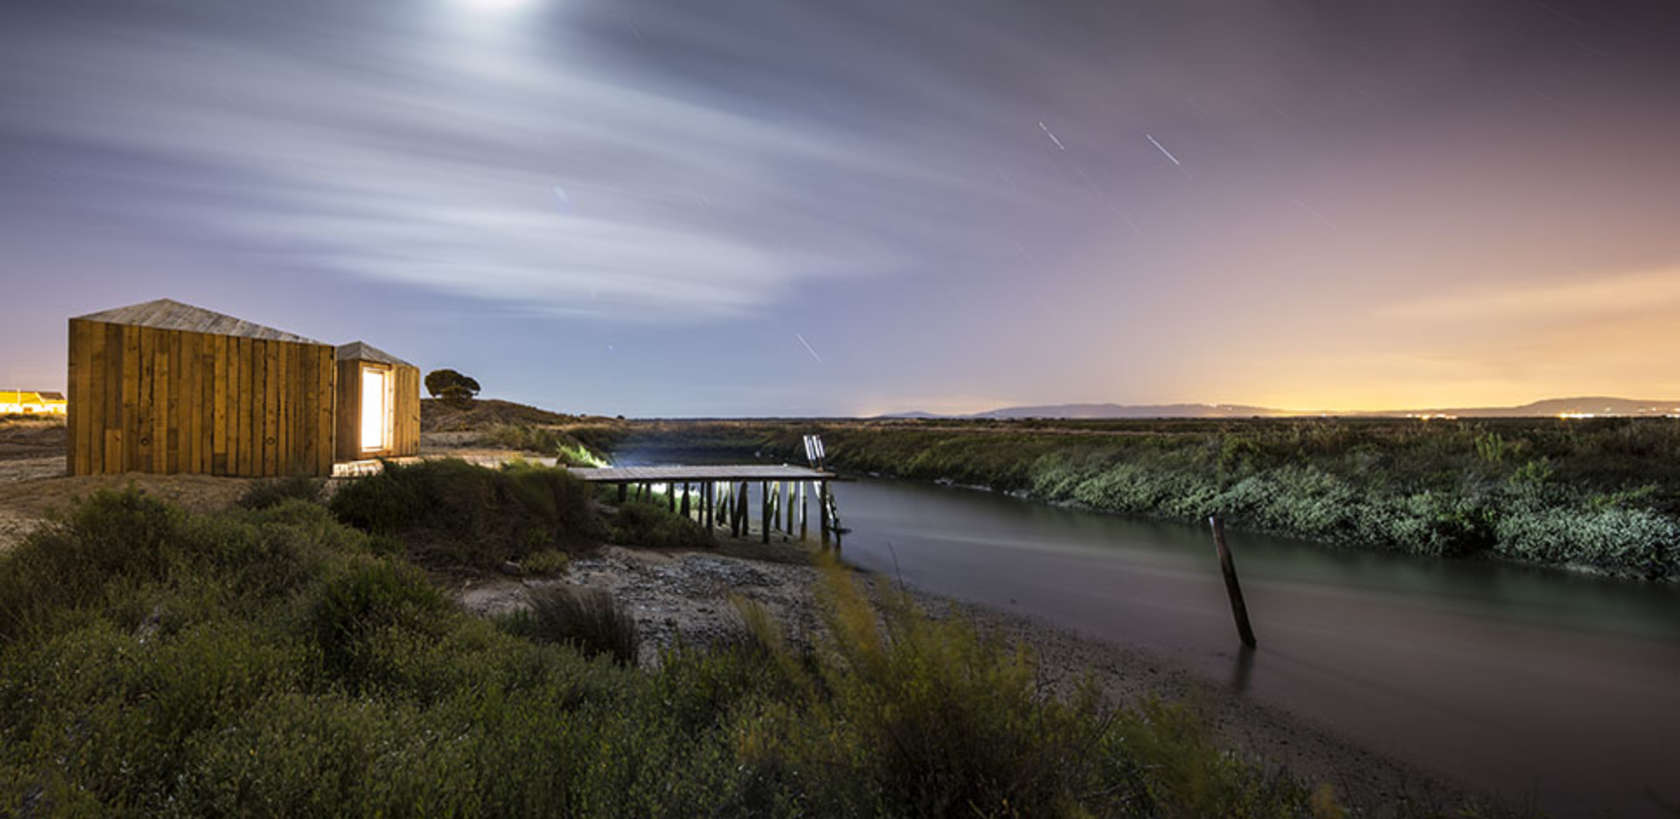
column 1602, row 494
column 683, row 597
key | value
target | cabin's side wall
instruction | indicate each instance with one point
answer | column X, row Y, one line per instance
column 405, row 404
column 406, row 439
column 149, row 400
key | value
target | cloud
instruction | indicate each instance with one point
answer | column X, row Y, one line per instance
column 429, row 156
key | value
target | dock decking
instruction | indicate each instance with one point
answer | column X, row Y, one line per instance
column 694, row 474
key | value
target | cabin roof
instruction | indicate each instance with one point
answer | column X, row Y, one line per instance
column 168, row 314
column 363, row 351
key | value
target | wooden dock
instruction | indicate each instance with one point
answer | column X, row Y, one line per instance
column 719, row 495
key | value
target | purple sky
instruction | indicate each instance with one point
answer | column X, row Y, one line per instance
column 639, row 207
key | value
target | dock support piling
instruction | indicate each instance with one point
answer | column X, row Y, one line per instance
column 742, row 507
column 623, row 492
column 685, row 500
column 1228, row 567
column 764, row 508
column 822, row 511
column 804, row 512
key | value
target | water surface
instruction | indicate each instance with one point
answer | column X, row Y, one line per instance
column 1524, row 680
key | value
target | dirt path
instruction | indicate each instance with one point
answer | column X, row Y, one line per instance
column 685, row 595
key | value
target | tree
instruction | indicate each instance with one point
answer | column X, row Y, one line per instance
column 439, row 381
column 457, row 396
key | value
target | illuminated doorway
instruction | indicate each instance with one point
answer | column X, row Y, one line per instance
column 376, row 409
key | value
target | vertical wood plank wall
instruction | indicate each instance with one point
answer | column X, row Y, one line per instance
column 405, row 400
column 149, row 400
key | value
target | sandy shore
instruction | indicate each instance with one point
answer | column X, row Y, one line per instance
column 684, row 595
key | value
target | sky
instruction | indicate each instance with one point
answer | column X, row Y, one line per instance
column 804, row 207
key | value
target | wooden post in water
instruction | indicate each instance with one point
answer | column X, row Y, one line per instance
column 764, row 508
column 1229, row 569
column 706, row 504
column 804, row 512
column 822, row 510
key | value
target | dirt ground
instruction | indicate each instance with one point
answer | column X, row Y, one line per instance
column 26, row 503
column 23, row 437
column 685, row 595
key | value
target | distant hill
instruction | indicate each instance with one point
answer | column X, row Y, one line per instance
column 1132, row 411
column 1584, row 405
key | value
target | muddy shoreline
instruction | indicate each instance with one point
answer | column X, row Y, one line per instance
column 684, row 596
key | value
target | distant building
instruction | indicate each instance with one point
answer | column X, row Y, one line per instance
column 31, row 402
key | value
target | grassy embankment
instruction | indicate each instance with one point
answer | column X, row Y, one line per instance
column 294, row 658
column 577, row 440
column 1602, row 493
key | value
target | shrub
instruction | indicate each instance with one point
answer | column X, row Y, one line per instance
column 911, row 716
column 264, row 494
column 589, row 620
column 372, row 596
column 547, row 561
column 471, row 514
column 567, row 448
column 649, row 525
column 126, row 537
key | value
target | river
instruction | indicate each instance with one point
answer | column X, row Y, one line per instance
column 1541, row 684
column 1532, row 682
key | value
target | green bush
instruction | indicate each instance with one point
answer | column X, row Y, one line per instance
column 264, row 494
column 548, row 561
column 471, row 514
column 352, row 609
column 649, row 525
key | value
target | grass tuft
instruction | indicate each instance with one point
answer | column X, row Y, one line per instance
column 591, row 621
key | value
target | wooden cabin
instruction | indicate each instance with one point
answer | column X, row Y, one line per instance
column 378, row 404
column 167, row 387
